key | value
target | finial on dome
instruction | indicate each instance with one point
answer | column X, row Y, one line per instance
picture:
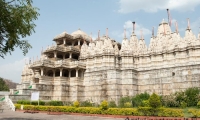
column 107, row 32
column 133, row 26
column 42, row 50
column 141, row 34
column 91, row 38
column 176, row 25
column 153, row 32
column 79, row 28
column 125, row 33
column 99, row 35
column 188, row 23
column 169, row 17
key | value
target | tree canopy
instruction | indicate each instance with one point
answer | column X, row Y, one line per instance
column 16, row 23
column 3, row 86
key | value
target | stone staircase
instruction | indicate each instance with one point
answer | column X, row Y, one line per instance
column 6, row 104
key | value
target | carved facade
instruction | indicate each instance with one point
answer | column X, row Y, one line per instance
column 79, row 68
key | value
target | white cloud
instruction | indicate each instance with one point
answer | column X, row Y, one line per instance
column 12, row 71
column 128, row 6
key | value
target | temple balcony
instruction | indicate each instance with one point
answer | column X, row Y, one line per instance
column 72, row 64
column 46, row 63
column 63, row 48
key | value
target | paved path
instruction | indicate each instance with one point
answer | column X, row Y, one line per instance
column 10, row 115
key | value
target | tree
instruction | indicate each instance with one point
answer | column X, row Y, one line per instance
column 154, row 101
column 16, row 22
column 3, row 86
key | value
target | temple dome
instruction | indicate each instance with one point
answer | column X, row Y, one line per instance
column 80, row 34
column 63, row 34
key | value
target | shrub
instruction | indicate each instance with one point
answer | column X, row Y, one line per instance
column 169, row 101
column 104, row 105
column 192, row 96
column 76, row 104
column 146, row 111
column 145, row 103
column 198, row 104
column 137, row 100
column 55, row 103
column 154, row 101
column 168, row 112
column 112, row 104
column 195, row 113
column 127, row 105
column 123, row 100
column 183, row 104
column 86, row 104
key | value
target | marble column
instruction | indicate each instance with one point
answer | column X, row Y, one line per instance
column 42, row 71
column 78, row 42
column 69, row 73
column 70, row 55
column 76, row 72
column 61, row 72
column 64, row 41
column 55, row 54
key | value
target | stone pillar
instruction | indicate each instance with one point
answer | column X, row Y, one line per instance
column 64, row 41
column 61, row 72
column 78, row 42
column 55, row 54
column 69, row 73
column 54, row 73
column 76, row 72
column 64, row 56
column 42, row 71
column 70, row 55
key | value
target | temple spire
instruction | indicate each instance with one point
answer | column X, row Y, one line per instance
column 99, row 35
column 91, row 38
column 188, row 20
column 133, row 26
column 176, row 25
column 141, row 35
column 107, row 32
column 169, row 17
column 153, row 32
column 125, row 33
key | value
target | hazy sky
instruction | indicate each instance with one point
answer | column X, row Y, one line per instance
column 57, row 16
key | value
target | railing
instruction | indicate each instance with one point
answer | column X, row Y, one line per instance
column 10, row 103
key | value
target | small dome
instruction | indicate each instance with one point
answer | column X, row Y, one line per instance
column 63, row 34
column 80, row 34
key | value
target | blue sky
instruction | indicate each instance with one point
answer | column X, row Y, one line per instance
column 93, row 15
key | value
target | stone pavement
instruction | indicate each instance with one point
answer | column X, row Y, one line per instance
column 18, row 115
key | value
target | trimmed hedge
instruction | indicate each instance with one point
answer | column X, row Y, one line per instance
column 194, row 112
column 141, row 111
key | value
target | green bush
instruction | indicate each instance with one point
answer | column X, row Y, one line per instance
column 55, row 103
column 104, row 105
column 169, row 101
column 192, row 96
column 195, row 113
column 86, row 104
column 139, row 98
column 198, row 104
column 154, row 101
column 145, row 103
column 76, row 104
column 127, row 105
column 165, row 112
column 112, row 104
column 123, row 100
column 183, row 104
column 168, row 112
column 27, row 102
